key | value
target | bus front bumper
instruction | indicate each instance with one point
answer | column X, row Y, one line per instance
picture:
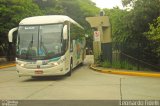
column 57, row 70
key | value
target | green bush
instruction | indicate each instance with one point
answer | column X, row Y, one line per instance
column 116, row 64
column 127, row 65
column 119, row 65
column 106, row 64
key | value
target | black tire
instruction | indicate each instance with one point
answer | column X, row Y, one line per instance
column 81, row 64
column 70, row 71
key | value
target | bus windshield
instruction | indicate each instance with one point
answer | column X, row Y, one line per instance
column 39, row 41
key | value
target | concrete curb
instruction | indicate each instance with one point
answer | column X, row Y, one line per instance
column 144, row 74
column 8, row 65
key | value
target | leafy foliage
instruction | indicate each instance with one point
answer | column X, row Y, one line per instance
column 129, row 25
column 153, row 36
column 11, row 12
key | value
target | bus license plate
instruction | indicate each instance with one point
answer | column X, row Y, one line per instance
column 38, row 72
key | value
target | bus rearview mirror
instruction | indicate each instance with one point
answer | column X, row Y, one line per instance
column 65, row 36
column 10, row 34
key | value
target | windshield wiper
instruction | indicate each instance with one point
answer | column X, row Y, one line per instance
column 43, row 46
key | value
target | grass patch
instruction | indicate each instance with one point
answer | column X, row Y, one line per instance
column 116, row 64
column 106, row 64
column 119, row 65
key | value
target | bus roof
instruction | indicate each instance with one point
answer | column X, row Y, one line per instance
column 48, row 19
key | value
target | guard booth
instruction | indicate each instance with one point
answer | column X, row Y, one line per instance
column 102, row 44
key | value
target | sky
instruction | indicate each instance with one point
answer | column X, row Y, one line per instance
column 108, row 3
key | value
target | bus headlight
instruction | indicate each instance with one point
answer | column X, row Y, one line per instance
column 21, row 64
column 60, row 61
column 54, row 64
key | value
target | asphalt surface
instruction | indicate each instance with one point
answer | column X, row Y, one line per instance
column 84, row 84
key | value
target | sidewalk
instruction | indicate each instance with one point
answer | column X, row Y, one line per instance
column 125, row 72
column 7, row 64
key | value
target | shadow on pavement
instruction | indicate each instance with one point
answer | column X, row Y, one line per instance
column 45, row 78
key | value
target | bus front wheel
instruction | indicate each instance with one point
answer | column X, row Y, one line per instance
column 70, row 71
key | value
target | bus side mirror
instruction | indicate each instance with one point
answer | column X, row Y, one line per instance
column 65, row 36
column 10, row 34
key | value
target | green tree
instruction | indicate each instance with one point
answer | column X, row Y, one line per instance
column 11, row 12
column 50, row 7
column 118, row 23
column 129, row 25
column 137, row 20
column 153, row 36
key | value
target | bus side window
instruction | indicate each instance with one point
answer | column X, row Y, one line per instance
column 71, row 45
column 72, row 34
column 75, row 33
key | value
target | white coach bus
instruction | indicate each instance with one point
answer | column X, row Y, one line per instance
column 48, row 45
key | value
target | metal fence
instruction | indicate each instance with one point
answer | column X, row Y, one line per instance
column 122, row 59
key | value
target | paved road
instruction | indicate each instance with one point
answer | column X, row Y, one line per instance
column 84, row 84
